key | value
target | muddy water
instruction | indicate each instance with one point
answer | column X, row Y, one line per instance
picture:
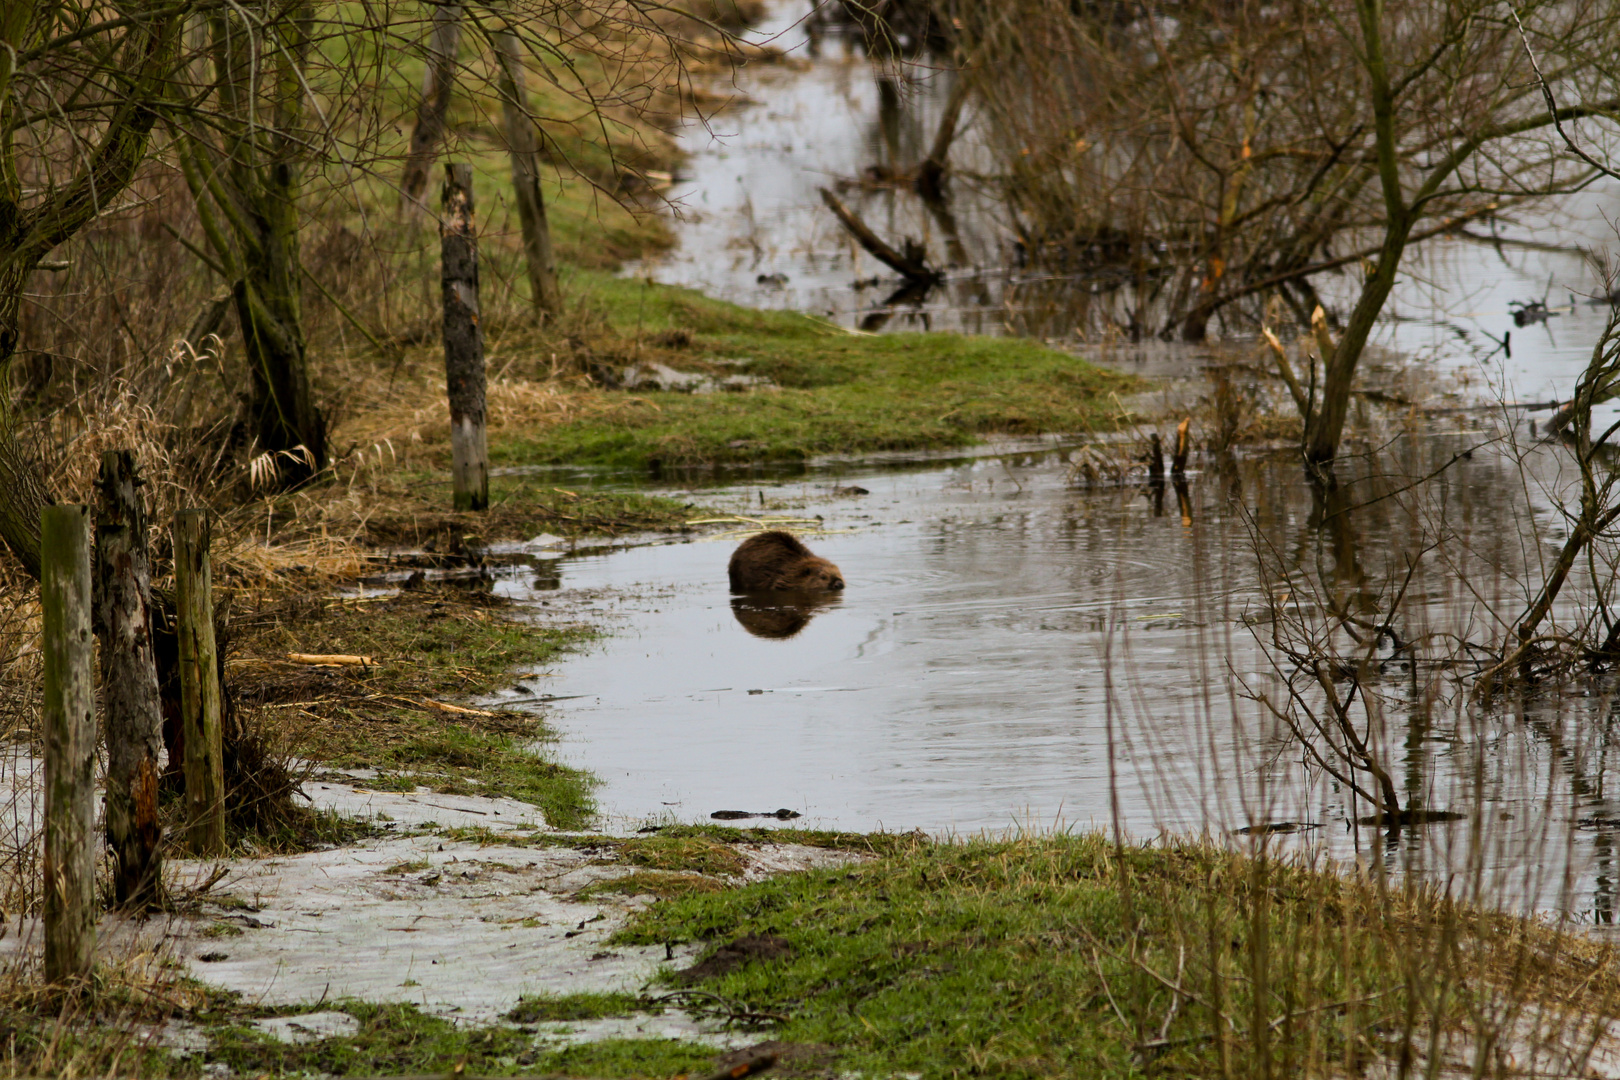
column 1015, row 652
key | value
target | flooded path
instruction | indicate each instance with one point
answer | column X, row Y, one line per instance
column 1016, row 652
column 750, row 226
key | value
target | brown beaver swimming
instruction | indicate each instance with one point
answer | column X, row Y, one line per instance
column 775, row 560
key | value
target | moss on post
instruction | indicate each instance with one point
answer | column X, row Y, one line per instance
column 200, row 701
column 70, row 745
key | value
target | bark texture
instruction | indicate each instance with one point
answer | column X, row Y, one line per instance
column 463, row 342
column 134, row 722
column 525, row 152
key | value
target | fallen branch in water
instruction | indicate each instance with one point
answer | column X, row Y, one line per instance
column 909, row 265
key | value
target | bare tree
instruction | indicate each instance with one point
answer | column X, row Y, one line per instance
column 438, row 83
column 1241, row 150
column 245, row 171
column 80, row 90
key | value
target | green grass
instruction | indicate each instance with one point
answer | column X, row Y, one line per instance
column 652, row 1058
column 393, row 1039
column 539, row 1009
column 662, row 884
column 672, row 846
column 521, row 508
column 840, row 393
column 399, row 1039
column 1054, row 957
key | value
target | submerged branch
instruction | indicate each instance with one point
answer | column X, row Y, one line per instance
column 910, row 265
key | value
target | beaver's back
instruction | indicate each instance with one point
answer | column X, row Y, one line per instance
column 776, row 560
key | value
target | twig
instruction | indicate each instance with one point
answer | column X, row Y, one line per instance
column 1552, row 105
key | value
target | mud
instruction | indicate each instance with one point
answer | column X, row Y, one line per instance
column 749, row 949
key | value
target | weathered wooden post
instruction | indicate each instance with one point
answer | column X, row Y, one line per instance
column 129, row 685
column 525, row 154
column 199, row 685
column 463, row 342
column 70, row 744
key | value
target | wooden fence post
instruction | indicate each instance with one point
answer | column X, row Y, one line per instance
column 525, row 154
column 129, row 685
column 70, row 744
column 463, row 342
column 199, row 685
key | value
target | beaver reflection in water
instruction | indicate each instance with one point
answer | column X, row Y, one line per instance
column 784, row 584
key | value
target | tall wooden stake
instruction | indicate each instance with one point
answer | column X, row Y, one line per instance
column 199, row 685
column 129, row 685
column 70, row 744
column 525, row 153
column 463, row 342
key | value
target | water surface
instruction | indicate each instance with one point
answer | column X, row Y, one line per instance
column 1017, row 652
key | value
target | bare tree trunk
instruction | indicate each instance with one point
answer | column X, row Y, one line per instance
column 525, row 154
column 246, row 192
column 281, row 411
column 22, row 491
column 931, row 172
column 1338, row 377
column 437, row 83
column 463, row 342
column 134, row 725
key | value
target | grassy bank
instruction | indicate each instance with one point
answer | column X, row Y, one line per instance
column 1034, row 957
column 1064, row 957
column 816, row 389
column 825, row 390
column 431, row 647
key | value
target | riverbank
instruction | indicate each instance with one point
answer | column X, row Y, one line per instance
column 643, row 376
column 888, row 955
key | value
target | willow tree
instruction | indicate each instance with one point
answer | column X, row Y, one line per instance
column 80, row 85
column 245, row 168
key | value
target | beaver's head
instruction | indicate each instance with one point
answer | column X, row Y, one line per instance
column 812, row 574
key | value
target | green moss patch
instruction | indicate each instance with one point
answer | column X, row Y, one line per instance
column 551, row 1009
column 833, row 392
column 662, row 884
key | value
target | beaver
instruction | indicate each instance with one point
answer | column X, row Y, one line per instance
column 776, row 560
